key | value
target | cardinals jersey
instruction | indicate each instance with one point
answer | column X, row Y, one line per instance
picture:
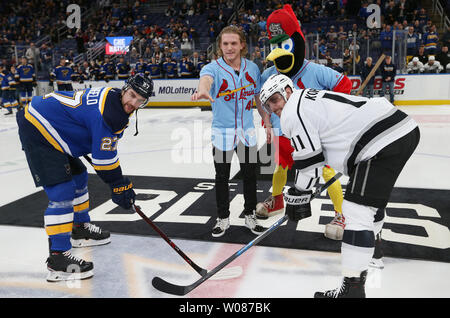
column 79, row 123
column 311, row 75
column 339, row 130
column 233, row 96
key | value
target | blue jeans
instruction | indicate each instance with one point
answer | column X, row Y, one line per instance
column 368, row 91
column 391, row 90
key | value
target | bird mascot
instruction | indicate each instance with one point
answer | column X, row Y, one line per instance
column 288, row 48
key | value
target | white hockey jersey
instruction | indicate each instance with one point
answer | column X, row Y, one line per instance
column 435, row 67
column 340, row 130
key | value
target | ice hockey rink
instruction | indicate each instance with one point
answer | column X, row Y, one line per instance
column 176, row 143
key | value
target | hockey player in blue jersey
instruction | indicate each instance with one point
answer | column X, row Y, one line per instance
column 62, row 74
column 55, row 130
column 26, row 79
column 8, row 85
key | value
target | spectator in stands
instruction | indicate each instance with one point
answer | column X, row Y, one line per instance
column 322, row 49
column 342, row 16
column 432, row 66
column 93, row 71
column 412, row 41
column 446, row 37
column 415, row 66
column 32, row 54
column 365, row 71
column 170, row 11
column 443, row 57
column 331, row 8
column 386, row 39
column 422, row 55
column 195, row 59
column 388, row 72
column 263, row 41
column 363, row 13
column 147, row 53
column 422, row 16
column 389, row 12
column 403, row 9
column 341, row 34
column 418, row 29
column 262, row 23
column 194, row 37
column 258, row 60
column 347, row 62
column 176, row 53
column 430, row 40
column 354, row 46
column 79, row 38
column 46, row 58
column 331, row 34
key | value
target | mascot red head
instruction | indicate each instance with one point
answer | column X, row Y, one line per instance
column 287, row 41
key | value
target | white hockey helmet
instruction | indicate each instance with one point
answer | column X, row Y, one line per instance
column 276, row 83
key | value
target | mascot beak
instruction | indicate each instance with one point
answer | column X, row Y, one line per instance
column 283, row 60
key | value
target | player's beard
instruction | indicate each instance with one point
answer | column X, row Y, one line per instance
column 129, row 108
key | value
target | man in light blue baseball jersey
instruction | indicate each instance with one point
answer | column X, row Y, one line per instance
column 232, row 83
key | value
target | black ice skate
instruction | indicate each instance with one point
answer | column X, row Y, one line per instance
column 351, row 287
column 88, row 234
column 64, row 266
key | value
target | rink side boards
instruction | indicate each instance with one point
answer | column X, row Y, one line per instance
column 426, row 89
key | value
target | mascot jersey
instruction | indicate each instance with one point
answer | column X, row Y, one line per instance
column 311, row 75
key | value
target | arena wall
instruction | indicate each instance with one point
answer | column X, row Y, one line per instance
column 424, row 89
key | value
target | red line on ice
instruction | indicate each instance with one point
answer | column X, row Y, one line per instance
column 227, row 287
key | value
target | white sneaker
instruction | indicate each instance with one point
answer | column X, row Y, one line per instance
column 376, row 263
column 221, row 226
column 335, row 229
column 252, row 224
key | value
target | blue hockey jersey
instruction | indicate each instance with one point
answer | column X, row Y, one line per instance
column 25, row 73
column 83, row 122
column 62, row 74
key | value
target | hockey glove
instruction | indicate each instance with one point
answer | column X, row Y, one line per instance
column 122, row 193
column 297, row 204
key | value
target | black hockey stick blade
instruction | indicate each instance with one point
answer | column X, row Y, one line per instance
column 180, row 290
column 169, row 288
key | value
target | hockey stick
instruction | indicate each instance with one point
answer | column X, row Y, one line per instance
column 197, row 268
column 138, row 210
column 179, row 290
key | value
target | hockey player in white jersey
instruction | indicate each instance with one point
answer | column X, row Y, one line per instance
column 368, row 140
